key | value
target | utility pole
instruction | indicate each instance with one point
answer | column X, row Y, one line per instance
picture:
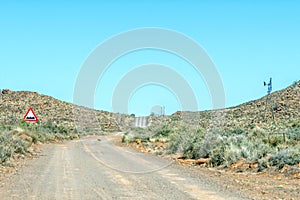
column 269, row 98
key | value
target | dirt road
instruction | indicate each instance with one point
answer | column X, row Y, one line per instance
column 92, row 169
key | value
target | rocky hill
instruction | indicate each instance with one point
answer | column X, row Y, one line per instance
column 257, row 136
column 282, row 107
column 13, row 106
column 272, row 111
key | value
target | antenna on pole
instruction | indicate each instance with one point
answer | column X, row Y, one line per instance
column 269, row 98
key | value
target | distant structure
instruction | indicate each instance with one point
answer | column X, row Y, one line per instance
column 269, row 86
column 141, row 122
column 162, row 113
column 269, row 98
column 157, row 110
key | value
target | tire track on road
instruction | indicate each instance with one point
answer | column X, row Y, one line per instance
column 76, row 170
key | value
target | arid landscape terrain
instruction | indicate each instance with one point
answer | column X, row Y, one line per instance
column 251, row 151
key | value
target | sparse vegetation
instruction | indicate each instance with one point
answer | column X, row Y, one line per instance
column 246, row 136
column 289, row 156
column 225, row 147
column 16, row 139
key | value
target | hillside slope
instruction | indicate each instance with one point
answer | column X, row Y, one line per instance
column 284, row 104
column 13, row 106
column 243, row 138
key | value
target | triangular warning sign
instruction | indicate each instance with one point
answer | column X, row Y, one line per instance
column 30, row 116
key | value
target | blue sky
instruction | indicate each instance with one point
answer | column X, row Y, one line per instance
column 43, row 46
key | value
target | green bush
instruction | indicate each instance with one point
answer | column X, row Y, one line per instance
column 215, row 146
column 198, row 144
column 53, row 128
column 20, row 146
column 9, row 146
column 137, row 133
column 5, row 153
column 290, row 156
column 185, row 141
column 293, row 135
column 33, row 127
column 225, row 147
column 296, row 123
column 162, row 131
column 6, row 146
column 274, row 140
column 262, row 165
column 236, row 131
column 11, row 143
column 222, row 146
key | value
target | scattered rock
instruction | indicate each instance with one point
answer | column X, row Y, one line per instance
column 240, row 162
column 253, row 165
column 297, row 175
column 15, row 104
column 177, row 156
column 202, row 161
column 279, row 176
column 6, row 91
column 285, row 169
column 187, row 161
column 26, row 138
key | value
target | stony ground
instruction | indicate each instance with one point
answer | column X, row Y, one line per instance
column 271, row 184
column 102, row 175
column 14, row 105
column 191, row 176
column 283, row 105
column 272, row 112
column 94, row 168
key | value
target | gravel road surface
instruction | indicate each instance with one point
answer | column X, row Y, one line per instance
column 95, row 168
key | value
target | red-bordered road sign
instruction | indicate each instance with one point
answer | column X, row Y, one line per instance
column 30, row 116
